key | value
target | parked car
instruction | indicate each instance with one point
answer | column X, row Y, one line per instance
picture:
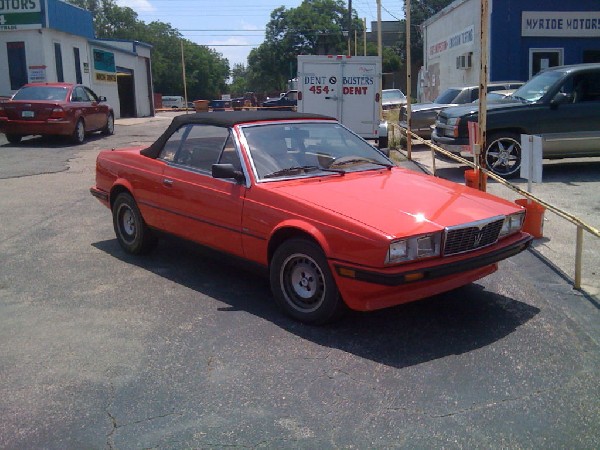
column 498, row 96
column 173, row 101
column 287, row 102
column 220, row 105
column 312, row 203
column 55, row 109
column 423, row 115
column 392, row 99
column 561, row 104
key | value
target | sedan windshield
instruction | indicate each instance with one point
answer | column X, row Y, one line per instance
column 537, row 87
column 41, row 93
column 447, row 96
column 307, row 149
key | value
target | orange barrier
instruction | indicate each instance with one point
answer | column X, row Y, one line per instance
column 472, row 179
column 534, row 220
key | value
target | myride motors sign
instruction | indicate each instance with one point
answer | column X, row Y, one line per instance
column 581, row 24
column 20, row 15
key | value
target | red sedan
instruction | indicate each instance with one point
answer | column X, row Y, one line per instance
column 55, row 109
column 336, row 223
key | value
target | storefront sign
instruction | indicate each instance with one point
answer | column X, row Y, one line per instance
column 20, row 15
column 104, row 66
column 560, row 24
column 37, row 74
column 461, row 39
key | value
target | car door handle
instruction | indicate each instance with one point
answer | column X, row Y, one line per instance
column 167, row 182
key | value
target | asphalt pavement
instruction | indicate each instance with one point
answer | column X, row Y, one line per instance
column 185, row 348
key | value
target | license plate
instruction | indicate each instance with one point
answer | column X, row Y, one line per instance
column 27, row 114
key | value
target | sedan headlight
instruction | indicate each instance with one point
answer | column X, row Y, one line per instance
column 413, row 248
column 512, row 223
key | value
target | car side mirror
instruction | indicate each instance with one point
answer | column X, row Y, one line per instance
column 101, row 98
column 561, row 98
column 227, row 171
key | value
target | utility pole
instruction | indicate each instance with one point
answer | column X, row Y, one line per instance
column 408, row 82
column 184, row 78
column 483, row 82
column 349, row 26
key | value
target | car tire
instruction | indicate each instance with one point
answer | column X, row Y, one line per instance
column 133, row 235
column 503, row 154
column 78, row 136
column 14, row 138
column 302, row 283
column 109, row 129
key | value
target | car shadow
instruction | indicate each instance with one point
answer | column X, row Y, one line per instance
column 52, row 141
column 452, row 323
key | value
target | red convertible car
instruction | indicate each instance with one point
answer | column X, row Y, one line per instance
column 65, row 109
column 336, row 223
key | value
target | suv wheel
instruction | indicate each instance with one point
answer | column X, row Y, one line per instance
column 503, row 154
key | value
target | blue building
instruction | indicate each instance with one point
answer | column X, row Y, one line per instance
column 525, row 36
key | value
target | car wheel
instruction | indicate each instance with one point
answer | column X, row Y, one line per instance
column 14, row 138
column 302, row 283
column 110, row 125
column 78, row 135
column 503, row 154
column 133, row 234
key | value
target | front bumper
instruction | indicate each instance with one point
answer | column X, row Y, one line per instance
column 366, row 289
column 454, row 145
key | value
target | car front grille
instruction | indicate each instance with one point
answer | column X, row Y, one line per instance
column 469, row 237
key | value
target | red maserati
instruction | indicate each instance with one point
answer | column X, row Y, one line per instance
column 336, row 223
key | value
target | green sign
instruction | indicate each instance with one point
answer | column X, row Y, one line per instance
column 20, row 15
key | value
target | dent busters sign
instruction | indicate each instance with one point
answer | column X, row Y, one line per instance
column 20, row 14
column 582, row 24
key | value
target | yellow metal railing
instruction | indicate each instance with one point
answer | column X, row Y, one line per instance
column 580, row 224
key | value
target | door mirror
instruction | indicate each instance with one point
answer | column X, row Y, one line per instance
column 561, row 98
column 227, row 171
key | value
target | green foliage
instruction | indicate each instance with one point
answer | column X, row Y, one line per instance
column 314, row 27
column 206, row 70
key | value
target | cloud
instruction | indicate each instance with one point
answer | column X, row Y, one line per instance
column 139, row 6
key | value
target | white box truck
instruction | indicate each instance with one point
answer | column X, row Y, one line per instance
column 345, row 87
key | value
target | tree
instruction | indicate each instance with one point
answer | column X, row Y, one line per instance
column 206, row 70
column 420, row 11
column 314, row 27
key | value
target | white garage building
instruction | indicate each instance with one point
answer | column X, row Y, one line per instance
column 50, row 41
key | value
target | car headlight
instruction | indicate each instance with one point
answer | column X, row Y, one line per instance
column 512, row 223
column 454, row 121
column 452, row 127
column 413, row 248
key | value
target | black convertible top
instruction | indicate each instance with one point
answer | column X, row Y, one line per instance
column 225, row 119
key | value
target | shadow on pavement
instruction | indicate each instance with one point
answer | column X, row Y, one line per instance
column 452, row 323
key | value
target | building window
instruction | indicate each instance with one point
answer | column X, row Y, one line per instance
column 77, row 65
column 17, row 64
column 544, row 58
column 60, row 77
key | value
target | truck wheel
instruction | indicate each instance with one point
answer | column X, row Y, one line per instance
column 503, row 154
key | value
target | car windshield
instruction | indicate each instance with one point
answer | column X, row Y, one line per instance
column 393, row 95
column 307, row 149
column 41, row 93
column 537, row 87
column 447, row 96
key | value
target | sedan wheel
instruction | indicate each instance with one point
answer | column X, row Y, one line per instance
column 78, row 135
column 133, row 234
column 110, row 125
column 13, row 138
column 503, row 154
column 302, row 283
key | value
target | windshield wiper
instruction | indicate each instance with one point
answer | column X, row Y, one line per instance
column 301, row 169
column 364, row 160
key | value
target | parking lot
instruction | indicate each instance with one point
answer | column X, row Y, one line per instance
column 185, row 349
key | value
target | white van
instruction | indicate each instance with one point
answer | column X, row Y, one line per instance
column 173, row 101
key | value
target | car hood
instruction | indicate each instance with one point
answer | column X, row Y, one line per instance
column 396, row 202
column 417, row 107
column 472, row 108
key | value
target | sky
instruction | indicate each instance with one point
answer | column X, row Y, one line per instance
column 234, row 27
